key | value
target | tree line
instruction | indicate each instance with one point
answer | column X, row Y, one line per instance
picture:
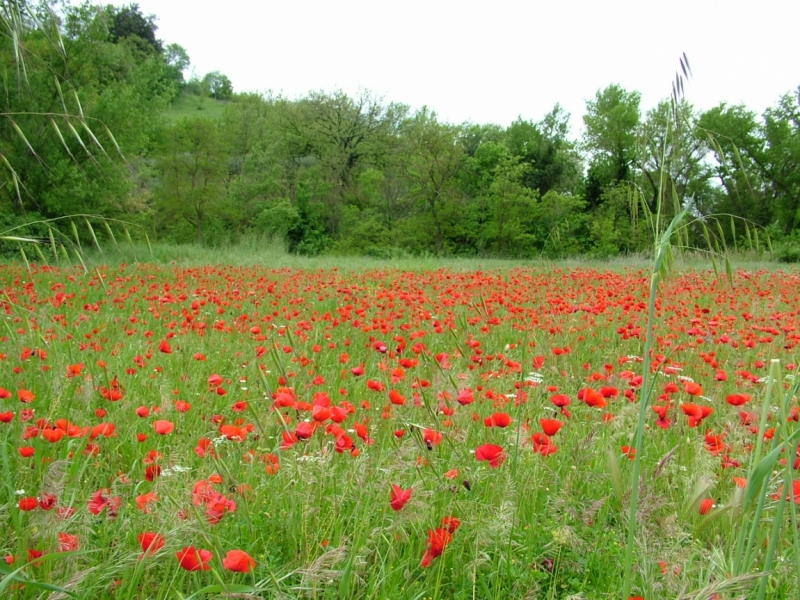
column 85, row 129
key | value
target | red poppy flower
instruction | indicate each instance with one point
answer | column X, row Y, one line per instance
column 795, row 493
column 592, row 398
column 399, row 497
column 163, row 427
column 431, row 437
column 68, row 542
column 465, row 397
column 194, row 559
column 272, row 462
column 451, row 523
column 102, row 429
column 28, row 503
column 375, row 386
column 396, row 398
column 692, row 388
column 239, row 561
column 100, row 501
column 492, row 453
column 706, row 505
column 437, row 542
column 144, row 500
column 150, row 542
column 550, row 426
column 305, row 430
column 499, row 419
column 738, row 399
column 47, row 501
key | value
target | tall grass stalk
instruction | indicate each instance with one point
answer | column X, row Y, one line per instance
column 663, row 258
column 749, row 538
column 662, row 261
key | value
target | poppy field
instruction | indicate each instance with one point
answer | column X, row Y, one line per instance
column 248, row 432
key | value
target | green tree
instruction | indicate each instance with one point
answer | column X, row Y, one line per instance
column 344, row 136
column 433, row 159
column 511, row 208
column 553, row 163
column 193, row 174
column 218, row 85
column 177, row 60
column 780, row 165
column 128, row 22
column 68, row 86
column 612, row 122
column 738, row 148
column 672, row 159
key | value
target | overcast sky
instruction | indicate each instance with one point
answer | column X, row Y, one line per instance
column 490, row 62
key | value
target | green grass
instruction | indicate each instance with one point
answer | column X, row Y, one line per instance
column 550, row 527
column 191, row 106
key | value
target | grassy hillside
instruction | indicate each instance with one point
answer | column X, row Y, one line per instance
column 191, row 105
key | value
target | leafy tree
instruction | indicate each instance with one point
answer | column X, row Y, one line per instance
column 193, row 172
column 612, row 121
column 344, row 136
column 738, row 148
column 511, row 207
column 129, row 22
column 70, row 91
column 552, row 161
column 672, row 159
column 177, row 60
column 218, row 85
column 434, row 157
column 780, row 165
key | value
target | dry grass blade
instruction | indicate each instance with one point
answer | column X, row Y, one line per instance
column 114, row 141
column 94, row 139
column 685, row 67
column 733, row 585
column 24, row 138
column 77, row 136
column 78, row 104
column 61, row 137
column 15, row 238
column 55, row 477
column 664, row 462
column 321, row 570
column 14, row 178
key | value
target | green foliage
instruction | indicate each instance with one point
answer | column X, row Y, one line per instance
column 128, row 22
column 329, row 172
column 217, row 85
column 788, row 248
column 612, row 121
column 277, row 219
column 71, row 92
column 188, row 105
column 192, row 176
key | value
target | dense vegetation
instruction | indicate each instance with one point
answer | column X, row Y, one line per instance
column 330, row 173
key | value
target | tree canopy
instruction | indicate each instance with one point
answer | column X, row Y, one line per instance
column 88, row 125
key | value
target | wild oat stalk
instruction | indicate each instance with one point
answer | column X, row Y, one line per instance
column 661, row 265
column 663, row 258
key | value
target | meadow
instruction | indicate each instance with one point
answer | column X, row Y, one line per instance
column 201, row 430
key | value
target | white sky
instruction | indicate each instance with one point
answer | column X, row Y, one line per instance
column 489, row 62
